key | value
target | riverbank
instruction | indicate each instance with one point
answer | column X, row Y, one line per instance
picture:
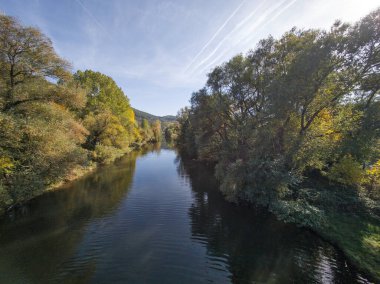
column 343, row 216
column 358, row 238
column 351, row 222
column 75, row 173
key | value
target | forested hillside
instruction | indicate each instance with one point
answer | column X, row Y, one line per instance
column 168, row 123
column 140, row 115
column 294, row 125
column 55, row 125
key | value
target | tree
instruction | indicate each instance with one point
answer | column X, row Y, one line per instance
column 26, row 55
column 171, row 132
column 104, row 94
column 146, row 131
column 40, row 135
column 300, row 104
column 156, row 128
column 107, row 112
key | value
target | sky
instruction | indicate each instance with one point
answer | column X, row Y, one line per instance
column 159, row 52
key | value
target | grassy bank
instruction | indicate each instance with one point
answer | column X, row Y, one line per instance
column 344, row 216
column 358, row 237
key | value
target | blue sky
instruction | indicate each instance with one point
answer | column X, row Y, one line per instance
column 159, row 52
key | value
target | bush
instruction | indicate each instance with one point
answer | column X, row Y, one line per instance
column 371, row 180
column 106, row 154
column 346, row 171
column 5, row 199
column 300, row 212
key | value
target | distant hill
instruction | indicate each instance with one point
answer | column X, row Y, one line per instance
column 140, row 115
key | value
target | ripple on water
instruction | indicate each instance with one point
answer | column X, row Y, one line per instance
column 152, row 220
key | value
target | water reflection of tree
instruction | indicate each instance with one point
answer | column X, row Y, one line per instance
column 47, row 231
column 255, row 245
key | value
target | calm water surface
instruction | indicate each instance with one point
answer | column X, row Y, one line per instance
column 155, row 218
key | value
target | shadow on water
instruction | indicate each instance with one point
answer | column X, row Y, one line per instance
column 257, row 247
column 56, row 221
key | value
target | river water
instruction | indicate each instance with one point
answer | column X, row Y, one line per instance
column 153, row 217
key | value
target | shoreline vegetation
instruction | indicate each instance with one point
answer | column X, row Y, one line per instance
column 294, row 126
column 76, row 173
column 56, row 125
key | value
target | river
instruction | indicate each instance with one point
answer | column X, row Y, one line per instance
column 152, row 217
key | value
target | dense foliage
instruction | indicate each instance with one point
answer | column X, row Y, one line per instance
column 294, row 126
column 171, row 132
column 53, row 123
column 304, row 105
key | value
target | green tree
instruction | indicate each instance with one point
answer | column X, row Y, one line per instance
column 27, row 57
column 107, row 114
column 104, row 94
column 300, row 104
column 171, row 132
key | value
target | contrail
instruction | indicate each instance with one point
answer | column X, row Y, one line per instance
column 91, row 15
column 215, row 35
column 244, row 21
column 281, row 11
column 261, row 19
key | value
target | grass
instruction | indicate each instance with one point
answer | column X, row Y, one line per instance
column 358, row 237
column 346, row 217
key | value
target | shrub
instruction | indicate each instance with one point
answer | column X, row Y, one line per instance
column 346, row 171
column 5, row 198
column 106, row 154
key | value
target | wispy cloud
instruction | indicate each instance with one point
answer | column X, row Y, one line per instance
column 88, row 12
column 215, row 35
column 282, row 10
column 248, row 35
column 238, row 33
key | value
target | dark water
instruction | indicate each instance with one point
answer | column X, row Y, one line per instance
column 154, row 218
